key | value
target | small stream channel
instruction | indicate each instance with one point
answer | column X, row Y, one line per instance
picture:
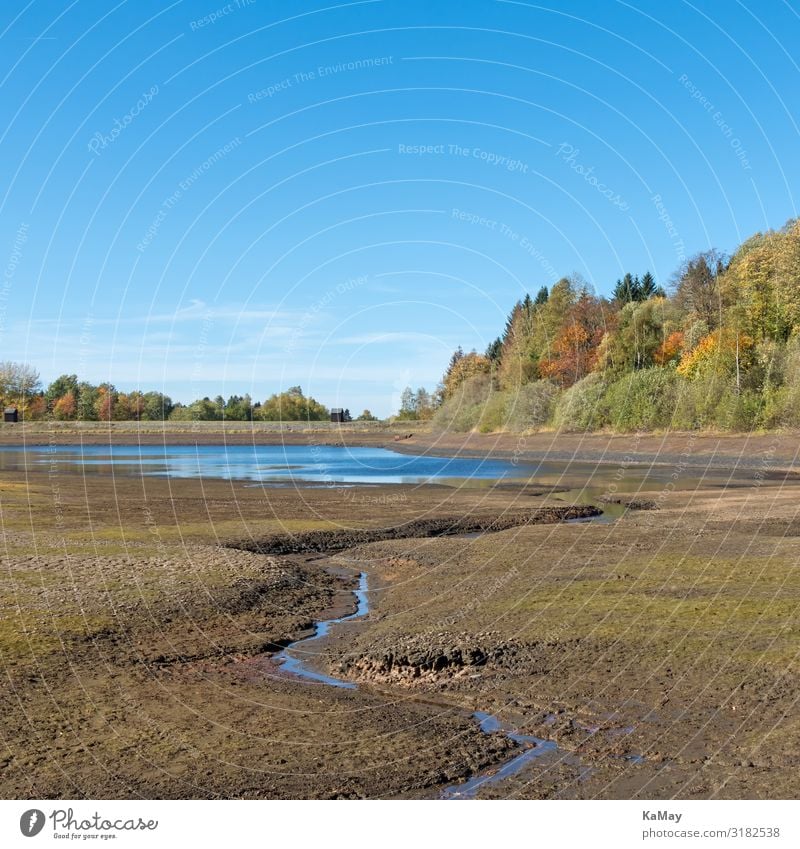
column 297, row 661
column 293, row 658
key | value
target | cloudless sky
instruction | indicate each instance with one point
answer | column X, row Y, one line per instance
column 210, row 198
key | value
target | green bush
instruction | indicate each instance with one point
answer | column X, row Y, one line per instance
column 531, row 406
column 781, row 406
column 493, row 414
column 642, row 400
column 478, row 405
column 697, row 401
column 739, row 411
column 462, row 411
column 580, row 407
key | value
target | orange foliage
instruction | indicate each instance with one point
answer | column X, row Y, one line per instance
column 65, row 407
column 573, row 354
column 104, row 405
column 36, row 408
column 669, row 349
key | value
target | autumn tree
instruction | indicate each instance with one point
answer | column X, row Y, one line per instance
column 669, row 351
column 724, row 352
column 466, row 366
column 60, row 386
column 291, row 405
column 697, row 288
column 36, row 408
column 105, row 401
column 531, row 331
column 763, row 284
column 65, row 407
column 128, row 406
column 18, row 382
column 574, row 352
column 553, row 314
column 641, row 331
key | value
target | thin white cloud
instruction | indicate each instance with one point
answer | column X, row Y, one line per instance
column 389, row 336
column 197, row 311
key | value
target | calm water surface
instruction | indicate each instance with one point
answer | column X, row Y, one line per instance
column 273, row 464
column 320, row 465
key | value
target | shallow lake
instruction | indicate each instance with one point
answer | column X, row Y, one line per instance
column 323, row 465
column 272, row 464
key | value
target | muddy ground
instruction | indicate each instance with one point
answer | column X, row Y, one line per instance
column 659, row 651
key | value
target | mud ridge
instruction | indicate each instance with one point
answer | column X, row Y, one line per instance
column 339, row 540
column 418, row 659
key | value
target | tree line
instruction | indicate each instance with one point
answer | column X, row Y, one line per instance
column 717, row 347
column 69, row 399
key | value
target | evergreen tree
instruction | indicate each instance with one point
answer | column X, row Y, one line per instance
column 508, row 330
column 495, row 351
column 647, row 287
column 457, row 355
column 541, row 296
column 628, row 290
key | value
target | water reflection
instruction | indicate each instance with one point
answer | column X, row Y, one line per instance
column 272, row 464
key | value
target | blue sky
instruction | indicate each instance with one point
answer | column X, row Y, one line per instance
column 205, row 198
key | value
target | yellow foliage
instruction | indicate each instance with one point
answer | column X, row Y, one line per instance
column 467, row 366
column 717, row 351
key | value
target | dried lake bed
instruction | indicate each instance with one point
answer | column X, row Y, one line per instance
column 143, row 617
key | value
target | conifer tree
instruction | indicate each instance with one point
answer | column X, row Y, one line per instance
column 494, row 350
column 647, row 287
